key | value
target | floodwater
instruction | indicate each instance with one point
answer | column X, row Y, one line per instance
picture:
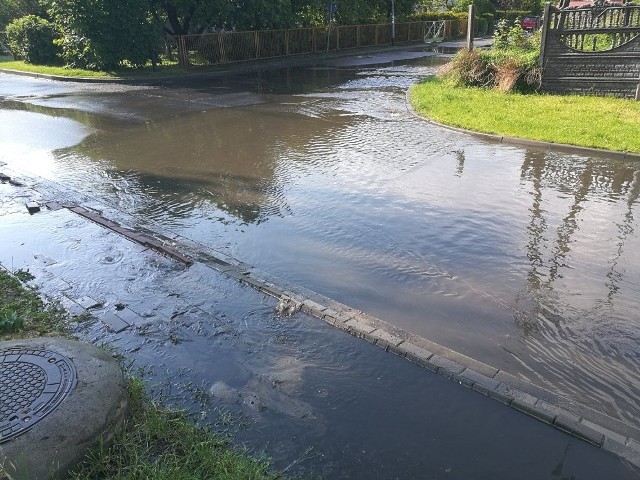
column 523, row 258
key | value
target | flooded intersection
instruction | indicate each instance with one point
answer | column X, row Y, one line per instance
column 521, row 258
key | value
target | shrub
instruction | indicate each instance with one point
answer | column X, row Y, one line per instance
column 506, row 69
column 482, row 26
column 31, row 39
column 491, row 19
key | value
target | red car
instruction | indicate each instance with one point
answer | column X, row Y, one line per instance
column 530, row 23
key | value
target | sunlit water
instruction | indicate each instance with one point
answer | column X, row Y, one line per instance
column 523, row 258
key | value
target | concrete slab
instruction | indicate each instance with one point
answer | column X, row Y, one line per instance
column 92, row 406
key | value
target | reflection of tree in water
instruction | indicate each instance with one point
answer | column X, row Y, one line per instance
column 579, row 181
column 227, row 158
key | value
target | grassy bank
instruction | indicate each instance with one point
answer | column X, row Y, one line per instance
column 596, row 122
column 165, row 69
column 155, row 442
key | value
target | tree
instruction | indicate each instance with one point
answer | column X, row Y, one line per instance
column 31, row 39
column 13, row 9
column 182, row 17
column 102, row 34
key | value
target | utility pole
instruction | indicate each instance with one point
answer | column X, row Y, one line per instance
column 393, row 22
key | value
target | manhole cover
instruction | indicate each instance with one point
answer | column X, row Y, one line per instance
column 32, row 385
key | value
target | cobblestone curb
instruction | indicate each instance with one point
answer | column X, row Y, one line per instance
column 578, row 420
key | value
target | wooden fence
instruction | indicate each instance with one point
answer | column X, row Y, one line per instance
column 226, row 47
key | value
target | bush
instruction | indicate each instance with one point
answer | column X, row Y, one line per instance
column 511, row 15
column 457, row 27
column 481, row 6
column 31, row 39
column 513, row 67
column 491, row 19
column 482, row 26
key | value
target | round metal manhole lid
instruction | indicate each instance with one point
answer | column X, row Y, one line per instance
column 32, row 384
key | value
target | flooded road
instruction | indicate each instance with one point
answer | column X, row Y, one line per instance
column 523, row 258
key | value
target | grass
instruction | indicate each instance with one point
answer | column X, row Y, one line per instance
column 155, row 442
column 163, row 69
column 23, row 314
column 585, row 121
column 163, row 444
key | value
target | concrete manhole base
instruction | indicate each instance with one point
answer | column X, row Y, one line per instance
column 57, row 398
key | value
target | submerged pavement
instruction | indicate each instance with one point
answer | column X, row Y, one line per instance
column 174, row 309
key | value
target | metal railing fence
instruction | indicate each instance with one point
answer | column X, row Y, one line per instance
column 227, row 47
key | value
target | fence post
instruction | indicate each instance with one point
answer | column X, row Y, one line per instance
column 257, row 43
column 183, row 57
column 638, row 91
column 470, row 27
column 337, row 38
column 546, row 24
column 223, row 53
column 286, row 41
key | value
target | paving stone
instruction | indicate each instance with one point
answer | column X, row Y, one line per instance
column 313, row 308
column 633, row 445
column 33, row 207
column 129, row 316
column 500, row 395
column 356, row 327
column 569, row 424
column 416, row 354
column 114, row 323
column 70, row 306
column 87, row 302
column 53, row 206
column 516, row 394
column 478, row 378
column 610, row 434
column 385, row 339
column 271, row 289
column 446, row 367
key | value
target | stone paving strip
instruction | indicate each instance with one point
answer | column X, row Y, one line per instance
column 578, row 420
column 132, row 235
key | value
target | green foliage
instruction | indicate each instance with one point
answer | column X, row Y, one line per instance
column 163, row 444
column 527, row 6
column 10, row 322
column 512, row 64
column 13, row 9
column 22, row 312
column 490, row 18
column 31, row 39
column 482, row 26
column 480, row 6
column 508, row 36
column 102, row 34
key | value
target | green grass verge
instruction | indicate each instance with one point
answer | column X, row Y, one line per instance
column 596, row 122
column 23, row 314
column 155, row 442
column 165, row 69
column 162, row 444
